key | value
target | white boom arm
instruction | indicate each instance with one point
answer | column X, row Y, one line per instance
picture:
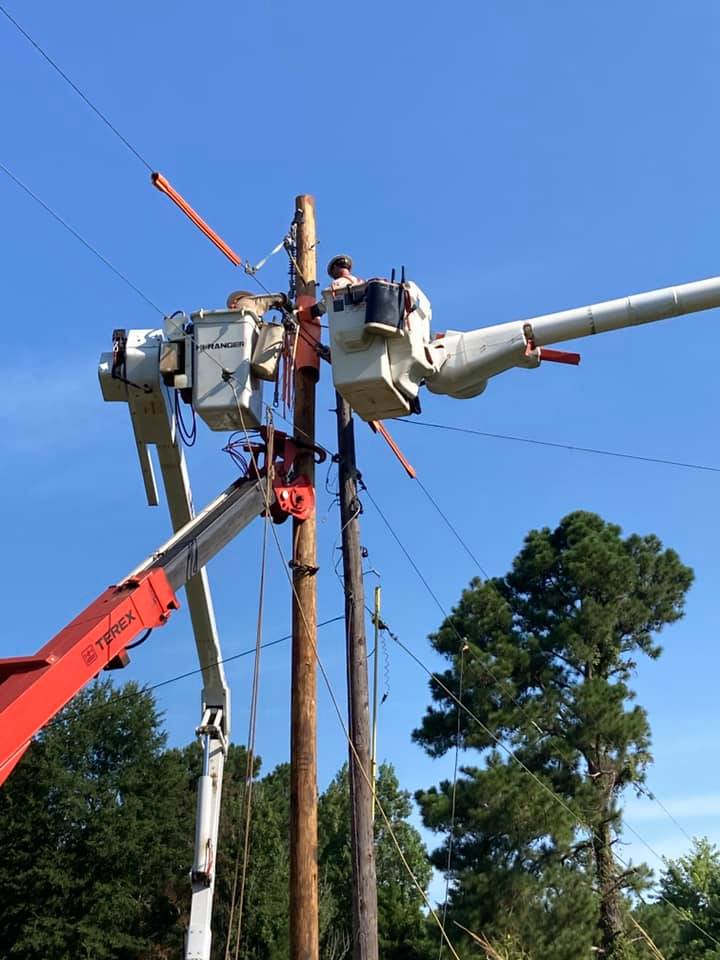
column 136, row 381
column 382, row 350
column 465, row 361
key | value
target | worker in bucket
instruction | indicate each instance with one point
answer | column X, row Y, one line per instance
column 339, row 270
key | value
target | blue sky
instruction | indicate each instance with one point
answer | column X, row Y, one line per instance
column 517, row 158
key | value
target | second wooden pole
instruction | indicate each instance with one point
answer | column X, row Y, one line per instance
column 364, row 890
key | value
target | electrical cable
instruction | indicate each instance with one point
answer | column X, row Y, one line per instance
column 234, row 450
column 637, row 786
column 460, row 540
column 18, row 182
column 140, row 641
column 148, row 688
column 157, row 179
column 75, row 87
column 188, row 437
column 410, row 560
column 650, row 794
column 560, row 446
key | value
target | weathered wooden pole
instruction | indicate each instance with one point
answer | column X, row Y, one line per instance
column 364, row 889
column 304, row 927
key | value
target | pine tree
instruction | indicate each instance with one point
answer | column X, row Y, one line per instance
column 684, row 921
column 551, row 648
column 402, row 927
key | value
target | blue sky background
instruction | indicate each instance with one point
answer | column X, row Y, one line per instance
column 517, row 158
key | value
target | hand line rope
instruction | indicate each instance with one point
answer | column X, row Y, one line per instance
column 249, row 776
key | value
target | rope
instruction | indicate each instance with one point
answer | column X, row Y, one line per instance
column 255, row 689
column 252, row 270
column 252, row 727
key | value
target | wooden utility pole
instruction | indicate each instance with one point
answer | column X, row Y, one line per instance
column 304, row 927
column 364, row 892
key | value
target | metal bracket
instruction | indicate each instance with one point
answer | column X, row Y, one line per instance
column 295, row 499
column 544, row 353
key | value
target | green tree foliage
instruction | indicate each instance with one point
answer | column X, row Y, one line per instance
column 91, row 847
column 551, row 648
column 685, row 921
column 403, row 929
column 96, row 844
column 264, row 926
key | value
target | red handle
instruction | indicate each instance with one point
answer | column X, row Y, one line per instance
column 559, row 356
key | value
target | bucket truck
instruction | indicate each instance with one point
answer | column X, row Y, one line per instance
column 383, row 351
column 216, row 361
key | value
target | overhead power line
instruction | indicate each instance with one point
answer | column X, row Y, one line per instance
column 96, row 110
column 183, row 676
column 56, row 216
column 453, row 529
column 561, row 446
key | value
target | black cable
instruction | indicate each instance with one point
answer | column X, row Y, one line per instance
column 233, row 448
column 74, row 86
column 184, row 676
column 140, row 641
column 188, row 437
column 560, row 446
column 452, row 528
column 410, row 560
column 77, row 236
